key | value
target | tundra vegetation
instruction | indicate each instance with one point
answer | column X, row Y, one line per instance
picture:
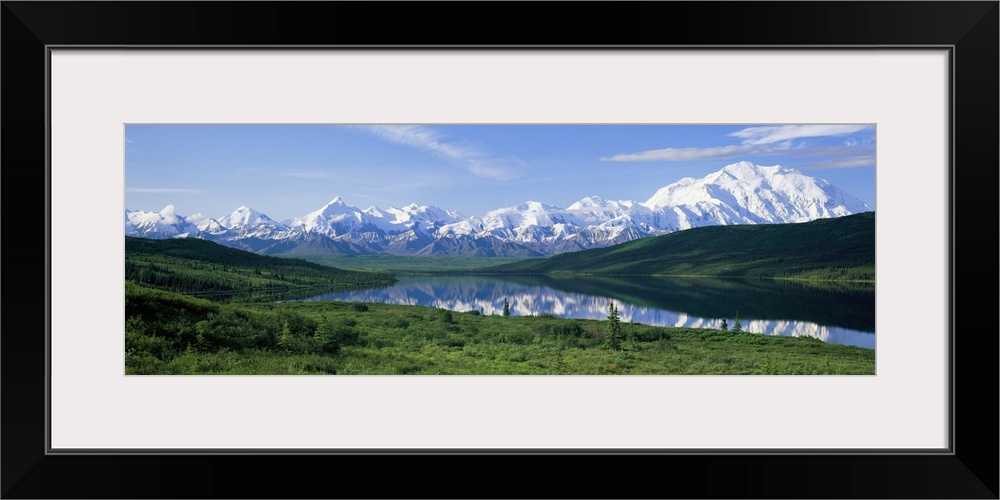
column 195, row 307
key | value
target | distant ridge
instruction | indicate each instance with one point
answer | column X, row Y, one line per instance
column 193, row 266
column 842, row 249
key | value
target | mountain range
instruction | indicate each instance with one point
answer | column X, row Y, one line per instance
column 740, row 193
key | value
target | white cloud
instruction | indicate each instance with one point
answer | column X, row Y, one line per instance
column 169, row 214
column 475, row 159
column 838, row 151
column 498, row 168
column 772, row 134
column 687, row 154
column 162, row 190
column 425, row 138
column 196, row 218
column 865, row 161
column 769, row 141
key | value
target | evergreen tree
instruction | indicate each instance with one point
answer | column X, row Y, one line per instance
column 286, row 340
column 506, row 307
column 737, row 327
column 325, row 336
column 725, row 324
column 614, row 339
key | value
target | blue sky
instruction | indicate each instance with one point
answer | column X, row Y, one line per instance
column 291, row 170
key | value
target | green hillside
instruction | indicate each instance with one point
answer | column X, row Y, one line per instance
column 198, row 267
column 171, row 329
column 841, row 248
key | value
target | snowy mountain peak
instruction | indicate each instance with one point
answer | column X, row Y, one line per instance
column 741, row 167
column 596, row 202
column 335, row 207
column 588, row 202
column 739, row 193
column 163, row 224
column 244, row 216
column 744, row 193
column 744, row 171
column 423, row 217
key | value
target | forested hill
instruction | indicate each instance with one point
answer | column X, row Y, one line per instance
column 195, row 266
column 841, row 248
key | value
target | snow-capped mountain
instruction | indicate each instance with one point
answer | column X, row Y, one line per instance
column 741, row 193
column 163, row 224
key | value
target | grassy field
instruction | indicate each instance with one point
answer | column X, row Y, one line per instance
column 170, row 329
column 169, row 333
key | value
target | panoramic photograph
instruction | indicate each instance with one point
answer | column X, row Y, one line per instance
column 402, row 249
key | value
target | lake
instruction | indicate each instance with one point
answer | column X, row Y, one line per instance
column 833, row 313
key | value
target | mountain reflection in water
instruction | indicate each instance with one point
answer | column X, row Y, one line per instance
column 833, row 313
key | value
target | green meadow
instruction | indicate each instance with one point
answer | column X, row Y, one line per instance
column 195, row 307
column 170, row 333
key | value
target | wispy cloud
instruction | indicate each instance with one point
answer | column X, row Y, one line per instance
column 686, row 154
column 162, row 190
column 497, row 168
column 864, row 161
column 771, row 140
column 475, row 158
column 426, row 138
column 772, row 134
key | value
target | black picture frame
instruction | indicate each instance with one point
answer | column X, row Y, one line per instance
column 969, row 470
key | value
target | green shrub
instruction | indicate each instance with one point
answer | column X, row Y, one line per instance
column 566, row 328
column 300, row 326
column 648, row 333
column 141, row 345
column 398, row 323
column 516, row 337
column 454, row 341
column 344, row 332
column 240, row 329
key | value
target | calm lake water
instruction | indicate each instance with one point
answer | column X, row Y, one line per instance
column 839, row 314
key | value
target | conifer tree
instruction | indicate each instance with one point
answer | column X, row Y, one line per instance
column 325, row 336
column 737, row 326
column 614, row 339
column 506, row 307
column 285, row 339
